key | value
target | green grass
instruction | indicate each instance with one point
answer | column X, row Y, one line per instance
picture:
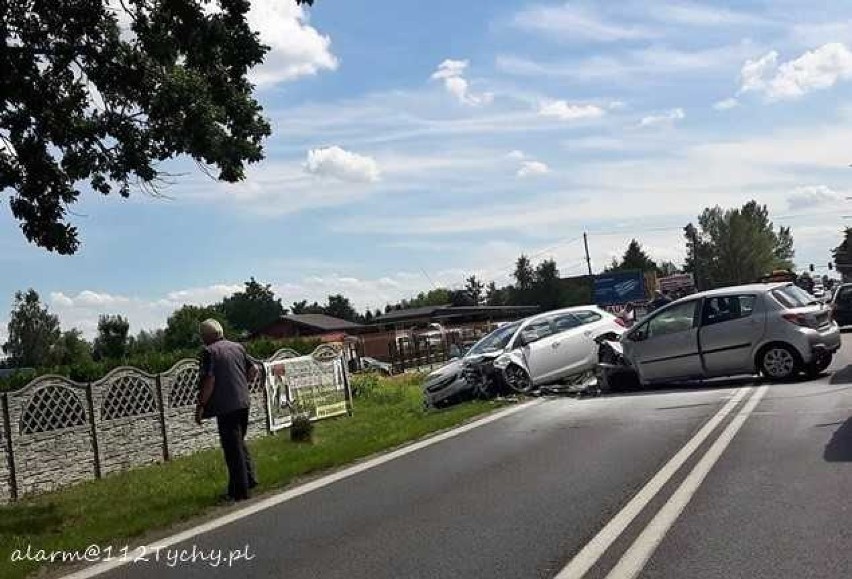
column 119, row 508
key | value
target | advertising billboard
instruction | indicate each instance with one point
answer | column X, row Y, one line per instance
column 619, row 287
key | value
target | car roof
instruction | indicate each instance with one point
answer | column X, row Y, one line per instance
column 753, row 288
column 563, row 311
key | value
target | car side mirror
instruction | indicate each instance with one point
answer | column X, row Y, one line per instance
column 638, row 335
column 528, row 337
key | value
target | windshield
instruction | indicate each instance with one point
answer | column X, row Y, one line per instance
column 791, row 296
column 495, row 341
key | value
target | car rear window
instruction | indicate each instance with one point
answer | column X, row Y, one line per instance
column 844, row 294
column 791, row 296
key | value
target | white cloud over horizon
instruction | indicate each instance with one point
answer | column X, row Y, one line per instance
column 565, row 111
column 297, row 49
column 532, row 169
column 451, row 72
column 667, row 119
column 817, row 69
column 340, row 164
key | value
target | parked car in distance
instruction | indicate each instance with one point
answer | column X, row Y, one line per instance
column 543, row 349
column 841, row 305
column 369, row 364
column 776, row 329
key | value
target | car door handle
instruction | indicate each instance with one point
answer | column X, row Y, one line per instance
column 587, row 333
column 554, row 345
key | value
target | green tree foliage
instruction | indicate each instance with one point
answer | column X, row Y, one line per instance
column 635, row 258
column 339, row 306
column 495, row 296
column 843, row 255
column 474, row 289
column 547, row 290
column 112, row 342
column 252, row 308
column 83, row 102
column 147, row 342
column 303, row 307
column 666, row 268
column 71, row 349
column 182, row 326
column 524, row 274
column 736, row 246
column 33, row 331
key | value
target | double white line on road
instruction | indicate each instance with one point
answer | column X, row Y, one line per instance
column 643, row 547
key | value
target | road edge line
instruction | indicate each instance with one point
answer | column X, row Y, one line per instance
column 267, row 503
column 591, row 553
column 634, row 560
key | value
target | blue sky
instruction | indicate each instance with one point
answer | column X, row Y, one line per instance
column 418, row 142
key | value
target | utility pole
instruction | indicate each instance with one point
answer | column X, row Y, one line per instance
column 588, row 259
column 695, row 259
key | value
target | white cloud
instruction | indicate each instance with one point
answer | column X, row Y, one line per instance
column 532, row 169
column 571, row 23
column 726, row 104
column 451, row 72
column 664, row 119
column 810, row 196
column 517, row 155
column 701, row 15
column 565, row 111
column 296, row 48
column 816, row 69
column 342, row 165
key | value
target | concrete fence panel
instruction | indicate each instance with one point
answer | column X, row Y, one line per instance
column 180, row 395
column 127, row 420
column 52, row 435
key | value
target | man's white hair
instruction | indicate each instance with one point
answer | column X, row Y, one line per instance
column 212, row 327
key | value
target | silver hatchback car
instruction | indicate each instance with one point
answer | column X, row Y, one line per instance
column 776, row 329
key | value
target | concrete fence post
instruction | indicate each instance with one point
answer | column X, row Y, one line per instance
column 94, row 429
column 161, row 403
column 10, row 458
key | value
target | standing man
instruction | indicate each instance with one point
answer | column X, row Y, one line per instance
column 225, row 373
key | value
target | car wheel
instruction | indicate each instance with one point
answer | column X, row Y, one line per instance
column 518, row 379
column 779, row 362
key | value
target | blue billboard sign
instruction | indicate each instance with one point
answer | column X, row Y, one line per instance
column 619, row 287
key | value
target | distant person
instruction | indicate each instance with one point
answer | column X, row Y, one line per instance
column 225, row 373
column 660, row 300
column 628, row 315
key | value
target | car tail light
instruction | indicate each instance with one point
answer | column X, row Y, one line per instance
column 798, row 319
column 620, row 322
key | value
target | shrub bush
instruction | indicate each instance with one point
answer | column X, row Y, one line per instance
column 302, row 429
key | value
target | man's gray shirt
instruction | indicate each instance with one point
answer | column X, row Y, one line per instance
column 228, row 363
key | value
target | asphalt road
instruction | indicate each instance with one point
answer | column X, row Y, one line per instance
column 768, row 493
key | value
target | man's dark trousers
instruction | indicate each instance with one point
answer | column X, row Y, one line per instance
column 232, row 435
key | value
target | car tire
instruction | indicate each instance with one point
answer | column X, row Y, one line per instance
column 518, row 379
column 819, row 365
column 779, row 362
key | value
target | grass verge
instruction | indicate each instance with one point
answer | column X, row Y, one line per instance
column 121, row 507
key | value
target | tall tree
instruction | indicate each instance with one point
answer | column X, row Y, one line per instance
column 547, row 286
column 112, row 342
column 736, row 246
column 339, row 306
column 666, row 268
column 635, row 258
column 843, row 255
column 182, row 326
column 252, row 308
column 303, row 307
column 147, row 342
column 474, row 288
column 33, row 331
column 71, row 349
column 82, row 102
column 495, row 296
column 524, row 274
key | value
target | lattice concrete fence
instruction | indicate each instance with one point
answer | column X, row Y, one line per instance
column 55, row 432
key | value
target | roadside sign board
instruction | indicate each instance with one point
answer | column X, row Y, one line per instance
column 677, row 282
column 619, row 287
column 312, row 385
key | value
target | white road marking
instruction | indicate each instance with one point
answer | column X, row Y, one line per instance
column 272, row 501
column 634, row 560
column 594, row 549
